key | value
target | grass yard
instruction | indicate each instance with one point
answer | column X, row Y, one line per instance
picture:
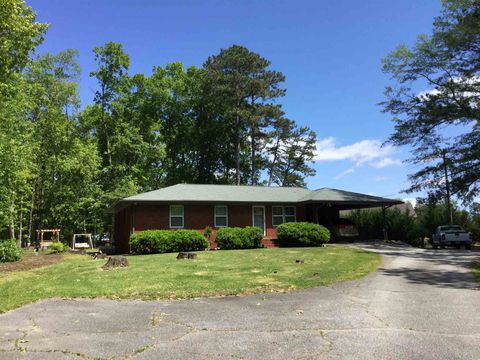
column 162, row 276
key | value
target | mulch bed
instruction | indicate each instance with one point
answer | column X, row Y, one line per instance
column 31, row 261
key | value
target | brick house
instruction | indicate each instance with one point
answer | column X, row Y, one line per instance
column 194, row 206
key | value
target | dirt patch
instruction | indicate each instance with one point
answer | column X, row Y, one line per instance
column 31, row 261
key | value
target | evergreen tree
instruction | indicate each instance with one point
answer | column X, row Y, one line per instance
column 241, row 80
column 447, row 64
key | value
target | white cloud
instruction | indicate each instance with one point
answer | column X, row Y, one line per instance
column 471, row 93
column 365, row 152
column 344, row 173
column 386, row 162
column 379, row 178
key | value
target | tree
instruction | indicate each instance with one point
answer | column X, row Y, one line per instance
column 111, row 75
column 16, row 152
column 19, row 35
column 291, row 149
column 446, row 65
column 241, row 80
column 173, row 96
column 65, row 165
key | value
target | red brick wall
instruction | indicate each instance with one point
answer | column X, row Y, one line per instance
column 239, row 216
column 198, row 217
column 121, row 230
column 149, row 217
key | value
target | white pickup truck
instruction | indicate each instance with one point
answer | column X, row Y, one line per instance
column 451, row 235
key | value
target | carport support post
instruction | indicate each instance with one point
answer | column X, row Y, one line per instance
column 384, row 223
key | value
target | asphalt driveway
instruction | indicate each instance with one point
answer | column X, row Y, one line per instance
column 421, row 304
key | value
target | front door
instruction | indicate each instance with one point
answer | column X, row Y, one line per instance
column 259, row 217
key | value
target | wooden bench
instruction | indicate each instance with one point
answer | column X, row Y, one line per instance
column 82, row 245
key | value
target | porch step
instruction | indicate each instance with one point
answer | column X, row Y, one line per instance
column 270, row 242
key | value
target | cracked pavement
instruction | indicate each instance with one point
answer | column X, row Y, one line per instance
column 420, row 304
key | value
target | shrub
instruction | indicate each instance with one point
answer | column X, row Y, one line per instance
column 303, row 234
column 164, row 241
column 239, row 238
column 252, row 237
column 229, row 238
column 149, row 242
column 9, row 251
column 187, row 240
column 57, row 247
column 400, row 225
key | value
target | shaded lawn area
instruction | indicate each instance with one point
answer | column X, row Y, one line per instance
column 162, row 276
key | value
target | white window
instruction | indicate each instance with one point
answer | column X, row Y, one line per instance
column 277, row 215
column 283, row 214
column 176, row 216
column 221, row 216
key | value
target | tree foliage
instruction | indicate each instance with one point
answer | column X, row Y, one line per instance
column 19, row 35
column 436, row 95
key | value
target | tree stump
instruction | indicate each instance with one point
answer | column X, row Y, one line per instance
column 115, row 261
column 185, row 255
column 182, row 255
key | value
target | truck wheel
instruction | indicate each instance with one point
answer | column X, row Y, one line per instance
column 457, row 246
column 442, row 246
column 468, row 247
column 435, row 247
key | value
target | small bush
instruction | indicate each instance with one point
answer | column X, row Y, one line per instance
column 149, row 242
column 239, row 238
column 9, row 251
column 303, row 234
column 57, row 247
column 252, row 237
column 187, row 240
column 164, row 241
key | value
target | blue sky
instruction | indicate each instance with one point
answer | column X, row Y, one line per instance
column 329, row 51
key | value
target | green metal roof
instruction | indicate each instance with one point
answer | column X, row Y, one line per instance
column 255, row 194
column 340, row 196
column 221, row 193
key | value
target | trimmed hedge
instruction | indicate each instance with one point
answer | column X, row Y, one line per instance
column 239, row 238
column 164, row 241
column 9, row 251
column 303, row 234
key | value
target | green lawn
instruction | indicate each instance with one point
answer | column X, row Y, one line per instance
column 162, row 276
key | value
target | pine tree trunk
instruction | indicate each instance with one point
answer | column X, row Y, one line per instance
column 237, row 151
column 252, row 144
column 252, row 153
column 272, row 166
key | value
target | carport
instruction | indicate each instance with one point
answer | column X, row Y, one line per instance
column 325, row 204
